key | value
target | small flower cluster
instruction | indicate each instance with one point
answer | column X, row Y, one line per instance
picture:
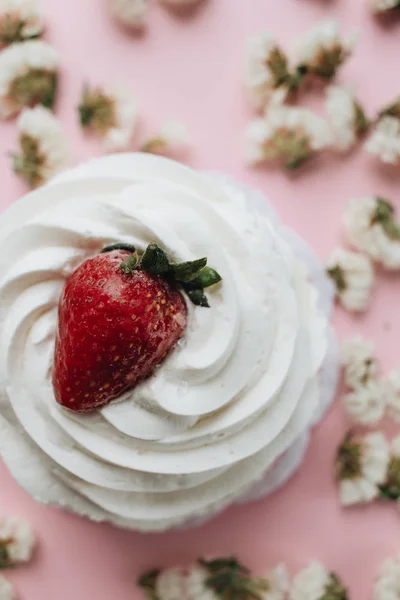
column 28, row 76
column 16, row 547
column 322, row 51
column 361, row 467
column 385, row 139
column 287, row 135
column 317, row 583
column 19, row 20
column 353, row 276
column 319, row 54
column 383, row 6
column 133, row 13
column 227, row 578
column 43, row 150
column 347, row 117
column 271, row 77
column 293, row 135
column 112, row 114
column 28, row 85
column 372, row 229
column 368, row 468
column 371, row 226
column 371, row 396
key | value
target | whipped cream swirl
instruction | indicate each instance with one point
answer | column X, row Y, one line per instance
column 236, row 391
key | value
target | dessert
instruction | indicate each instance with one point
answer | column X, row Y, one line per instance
column 226, row 414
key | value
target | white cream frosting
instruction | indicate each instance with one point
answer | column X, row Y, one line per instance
column 236, row 392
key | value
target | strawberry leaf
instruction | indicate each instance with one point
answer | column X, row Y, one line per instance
column 155, row 261
column 198, row 297
column 186, row 271
column 206, row 278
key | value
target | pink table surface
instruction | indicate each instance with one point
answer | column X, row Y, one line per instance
column 192, row 69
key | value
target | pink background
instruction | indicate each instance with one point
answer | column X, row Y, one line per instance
column 191, row 68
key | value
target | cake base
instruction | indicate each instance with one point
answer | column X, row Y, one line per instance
column 17, row 449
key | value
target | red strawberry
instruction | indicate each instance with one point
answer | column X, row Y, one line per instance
column 116, row 323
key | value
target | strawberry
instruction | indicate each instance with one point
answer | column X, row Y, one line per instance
column 119, row 316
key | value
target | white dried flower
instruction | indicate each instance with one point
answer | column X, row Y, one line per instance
column 43, row 147
column 390, row 490
column 16, row 541
column 387, row 585
column 353, row 276
column 28, row 76
column 131, row 13
column 7, row 591
column 277, row 585
column 172, row 135
column 19, row 20
column 371, row 226
column 384, row 142
column 346, row 116
column 321, row 51
column 393, row 383
column 358, row 360
column 111, row 114
column 361, row 467
column 367, row 404
column 267, row 76
column 316, row 583
column 380, row 6
column 183, row 583
column 211, row 580
column 288, row 135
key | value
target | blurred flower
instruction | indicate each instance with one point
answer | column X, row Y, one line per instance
column 288, row 135
column 384, row 142
column 392, row 110
column 353, row 276
column 358, row 360
column 316, row 583
column 43, row 147
column 16, row 541
column 393, row 383
column 184, row 583
column 387, row 585
column 267, row 75
column 321, row 51
column 180, row 3
column 347, row 117
column 380, row 6
column 361, row 467
column 28, row 76
column 371, row 226
column 367, row 404
column 213, row 580
column 172, row 135
column 131, row 13
column 111, row 114
column 7, row 591
column 390, row 488
column 19, row 20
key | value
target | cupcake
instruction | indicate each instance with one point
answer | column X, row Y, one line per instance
column 164, row 343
